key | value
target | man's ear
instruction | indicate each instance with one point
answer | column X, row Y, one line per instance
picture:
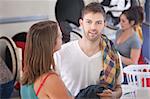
column 80, row 22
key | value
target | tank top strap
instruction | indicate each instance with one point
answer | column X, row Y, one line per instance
column 44, row 82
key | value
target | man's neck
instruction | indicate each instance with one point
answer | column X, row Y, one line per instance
column 90, row 48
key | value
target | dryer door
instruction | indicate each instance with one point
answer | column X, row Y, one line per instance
column 13, row 54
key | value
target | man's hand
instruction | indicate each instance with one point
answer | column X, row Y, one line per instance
column 107, row 94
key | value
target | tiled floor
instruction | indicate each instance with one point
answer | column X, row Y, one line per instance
column 130, row 92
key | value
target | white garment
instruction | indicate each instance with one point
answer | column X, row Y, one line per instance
column 120, row 6
column 76, row 69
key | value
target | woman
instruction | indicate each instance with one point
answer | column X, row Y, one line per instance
column 39, row 78
column 127, row 41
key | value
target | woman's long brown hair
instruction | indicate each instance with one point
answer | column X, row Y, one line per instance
column 39, row 50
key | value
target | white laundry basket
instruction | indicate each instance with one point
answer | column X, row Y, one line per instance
column 138, row 77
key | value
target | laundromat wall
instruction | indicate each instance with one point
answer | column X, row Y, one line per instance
column 18, row 15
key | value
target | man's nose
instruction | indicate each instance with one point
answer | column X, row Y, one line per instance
column 93, row 26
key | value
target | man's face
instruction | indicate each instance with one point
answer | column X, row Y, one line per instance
column 92, row 24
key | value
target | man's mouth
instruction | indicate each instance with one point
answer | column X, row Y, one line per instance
column 92, row 33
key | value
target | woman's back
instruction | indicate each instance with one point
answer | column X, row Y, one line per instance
column 47, row 86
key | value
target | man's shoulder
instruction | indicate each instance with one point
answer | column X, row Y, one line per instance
column 68, row 47
column 108, row 43
column 69, row 44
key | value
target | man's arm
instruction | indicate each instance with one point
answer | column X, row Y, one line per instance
column 117, row 93
column 109, row 94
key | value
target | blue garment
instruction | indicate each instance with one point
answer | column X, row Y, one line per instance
column 147, row 11
column 146, row 37
column 6, row 89
column 27, row 92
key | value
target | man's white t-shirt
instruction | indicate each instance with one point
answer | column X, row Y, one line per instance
column 76, row 69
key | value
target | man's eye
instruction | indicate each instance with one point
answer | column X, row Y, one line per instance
column 89, row 22
column 98, row 22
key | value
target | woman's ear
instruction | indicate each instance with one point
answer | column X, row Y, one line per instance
column 132, row 23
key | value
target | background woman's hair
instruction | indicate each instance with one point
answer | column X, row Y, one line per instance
column 135, row 14
column 140, row 11
column 39, row 50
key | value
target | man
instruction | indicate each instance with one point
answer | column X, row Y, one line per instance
column 91, row 60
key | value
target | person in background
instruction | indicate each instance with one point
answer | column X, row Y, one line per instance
column 39, row 77
column 127, row 41
column 91, row 60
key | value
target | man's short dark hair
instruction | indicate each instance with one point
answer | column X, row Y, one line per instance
column 94, row 7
